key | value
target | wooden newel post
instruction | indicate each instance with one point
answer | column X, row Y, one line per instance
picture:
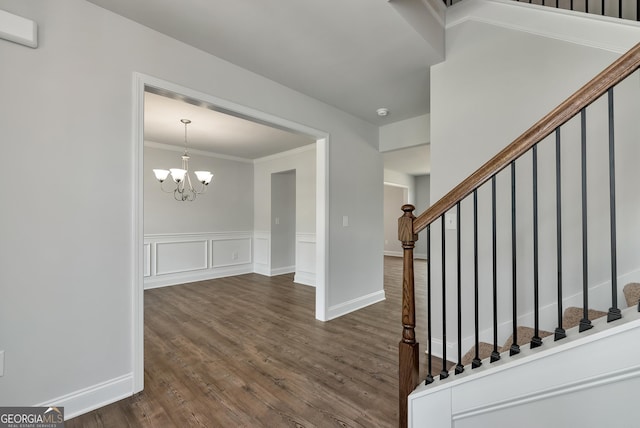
column 408, row 347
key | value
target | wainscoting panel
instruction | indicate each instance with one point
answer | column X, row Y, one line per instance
column 181, row 258
column 230, row 252
column 262, row 252
column 305, row 259
column 175, row 257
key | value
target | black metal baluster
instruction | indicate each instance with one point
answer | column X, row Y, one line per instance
column 602, row 7
column 476, row 360
column 619, row 8
column 571, row 5
column 444, row 373
column 637, row 19
column 429, row 342
column 559, row 333
column 459, row 366
column 614, row 311
column 585, row 323
column 495, row 355
column 515, row 348
column 586, row 6
column 536, row 340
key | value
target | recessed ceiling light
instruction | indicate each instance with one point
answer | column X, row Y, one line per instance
column 382, row 111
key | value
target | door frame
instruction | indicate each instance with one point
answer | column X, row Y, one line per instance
column 140, row 83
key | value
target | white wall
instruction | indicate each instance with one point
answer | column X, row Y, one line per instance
column 498, row 81
column 67, row 250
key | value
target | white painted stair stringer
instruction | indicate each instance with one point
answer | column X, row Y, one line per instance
column 586, row 380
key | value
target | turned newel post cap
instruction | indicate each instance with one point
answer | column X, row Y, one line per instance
column 408, row 208
column 405, row 225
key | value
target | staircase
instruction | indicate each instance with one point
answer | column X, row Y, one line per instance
column 580, row 331
column 571, row 319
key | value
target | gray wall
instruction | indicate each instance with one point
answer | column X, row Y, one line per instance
column 502, row 81
column 423, row 201
column 226, row 206
column 394, row 198
column 303, row 161
column 67, row 249
column 283, row 220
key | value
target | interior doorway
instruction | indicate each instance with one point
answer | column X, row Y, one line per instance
column 144, row 83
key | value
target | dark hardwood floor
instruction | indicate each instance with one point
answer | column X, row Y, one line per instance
column 247, row 351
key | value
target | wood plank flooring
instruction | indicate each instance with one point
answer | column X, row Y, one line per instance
column 247, row 351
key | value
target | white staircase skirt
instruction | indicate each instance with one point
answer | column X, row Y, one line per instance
column 590, row 380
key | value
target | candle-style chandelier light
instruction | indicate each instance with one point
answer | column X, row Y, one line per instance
column 183, row 190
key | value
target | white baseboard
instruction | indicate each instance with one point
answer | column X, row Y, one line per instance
column 186, row 277
column 340, row 309
column 421, row 256
column 393, row 253
column 93, row 397
column 305, row 278
column 282, row 270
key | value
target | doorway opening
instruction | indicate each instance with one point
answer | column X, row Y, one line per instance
column 144, row 83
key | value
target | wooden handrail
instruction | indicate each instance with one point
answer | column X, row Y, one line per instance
column 615, row 73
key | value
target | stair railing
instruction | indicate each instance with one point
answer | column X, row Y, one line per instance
column 410, row 226
column 613, row 8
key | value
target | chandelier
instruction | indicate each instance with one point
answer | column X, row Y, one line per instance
column 183, row 190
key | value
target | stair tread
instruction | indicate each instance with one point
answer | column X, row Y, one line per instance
column 573, row 315
column 484, row 351
column 632, row 293
column 525, row 334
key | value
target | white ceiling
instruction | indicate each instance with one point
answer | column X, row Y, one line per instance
column 412, row 161
column 213, row 131
column 356, row 55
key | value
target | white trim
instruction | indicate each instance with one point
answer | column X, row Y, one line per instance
column 394, row 253
column 579, row 385
column 592, row 30
column 140, row 82
column 204, row 261
column 288, row 153
column 514, row 381
column 305, row 278
column 282, row 270
column 18, row 29
column 217, row 260
column 93, row 397
column 167, row 280
column 322, row 228
column 179, row 149
column 344, row 308
column 137, row 242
